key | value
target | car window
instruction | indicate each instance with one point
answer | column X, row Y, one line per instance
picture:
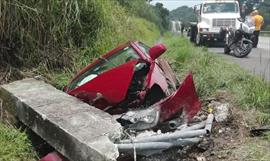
column 220, row 8
column 104, row 65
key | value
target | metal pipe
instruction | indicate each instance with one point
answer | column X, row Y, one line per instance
column 156, row 145
column 208, row 123
column 176, row 135
column 168, row 137
column 194, row 127
column 144, row 146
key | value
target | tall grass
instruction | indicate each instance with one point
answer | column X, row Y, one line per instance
column 34, row 32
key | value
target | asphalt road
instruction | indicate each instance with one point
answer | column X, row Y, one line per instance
column 257, row 62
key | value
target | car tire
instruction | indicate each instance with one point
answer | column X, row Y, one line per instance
column 227, row 50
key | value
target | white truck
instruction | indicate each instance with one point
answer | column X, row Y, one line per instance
column 213, row 16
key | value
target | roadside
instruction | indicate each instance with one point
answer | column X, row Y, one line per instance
column 257, row 62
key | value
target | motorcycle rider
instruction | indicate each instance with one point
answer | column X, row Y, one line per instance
column 258, row 20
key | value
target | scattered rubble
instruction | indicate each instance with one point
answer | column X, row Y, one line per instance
column 220, row 110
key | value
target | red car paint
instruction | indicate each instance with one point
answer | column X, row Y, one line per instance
column 184, row 98
column 110, row 88
column 53, row 156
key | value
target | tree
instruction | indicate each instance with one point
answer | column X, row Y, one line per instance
column 163, row 14
column 264, row 9
column 184, row 14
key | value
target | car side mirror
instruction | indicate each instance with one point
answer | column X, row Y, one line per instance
column 157, row 50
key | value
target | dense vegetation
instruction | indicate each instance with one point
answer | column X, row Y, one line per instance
column 142, row 8
column 184, row 14
column 264, row 9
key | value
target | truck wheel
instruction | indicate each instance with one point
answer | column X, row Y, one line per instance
column 198, row 39
column 193, row 34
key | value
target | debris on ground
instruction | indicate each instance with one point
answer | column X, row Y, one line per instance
column 260, row 131
column 220, row 110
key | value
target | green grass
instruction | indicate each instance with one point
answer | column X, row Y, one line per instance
column 254, row 149
column 212, row 73
column 14, row 145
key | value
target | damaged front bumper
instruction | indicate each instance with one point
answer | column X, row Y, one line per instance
column 179, row 108
column 176, row 113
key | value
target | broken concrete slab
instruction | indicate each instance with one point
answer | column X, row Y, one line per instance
column 78, row 131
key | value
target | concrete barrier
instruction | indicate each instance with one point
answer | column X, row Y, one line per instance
column 78, row 131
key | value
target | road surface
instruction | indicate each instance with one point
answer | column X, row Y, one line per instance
column 257, row 62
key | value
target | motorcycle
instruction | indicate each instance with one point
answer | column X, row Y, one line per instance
column 239, row 41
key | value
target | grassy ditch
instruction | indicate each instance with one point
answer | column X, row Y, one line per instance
column 15, row 146
column 212, row 73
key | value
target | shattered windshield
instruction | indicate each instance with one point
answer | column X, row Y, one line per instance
column 144, row 48
column 104, row 65
column 220, row 8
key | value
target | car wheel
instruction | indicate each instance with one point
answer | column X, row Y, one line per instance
column 227, row 50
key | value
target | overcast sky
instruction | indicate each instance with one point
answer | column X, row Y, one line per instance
column 173, row 4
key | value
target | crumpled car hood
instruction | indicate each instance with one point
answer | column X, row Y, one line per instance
column 113, row 83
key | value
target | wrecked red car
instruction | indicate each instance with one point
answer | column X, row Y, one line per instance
column 135, row 84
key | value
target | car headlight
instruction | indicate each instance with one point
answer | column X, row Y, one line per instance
column 150, row 116
column 144, row 115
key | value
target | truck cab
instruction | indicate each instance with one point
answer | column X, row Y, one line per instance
column 212, row 17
